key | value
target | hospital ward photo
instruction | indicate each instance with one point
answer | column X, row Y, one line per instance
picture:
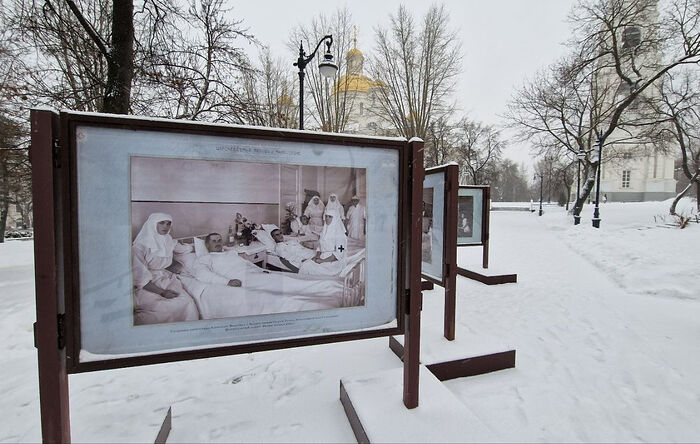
column 213, row 239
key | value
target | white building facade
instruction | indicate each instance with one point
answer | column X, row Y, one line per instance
column 365, row 114
column 633, row 171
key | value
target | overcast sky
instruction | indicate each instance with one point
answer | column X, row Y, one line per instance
column 503, row 41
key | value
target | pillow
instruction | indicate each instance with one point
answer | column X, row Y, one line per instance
column 269, row 227
column 266, row 239
column 186, row 259
column 200, row 247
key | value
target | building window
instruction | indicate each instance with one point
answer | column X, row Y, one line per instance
column 362, row 108
column 626, row 178
column 627, row 156
column 631, row 37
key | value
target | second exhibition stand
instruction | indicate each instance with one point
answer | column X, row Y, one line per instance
column 370, row 400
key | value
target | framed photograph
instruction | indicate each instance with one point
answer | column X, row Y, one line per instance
column 433, row 224
column 192, row 240
column 472, row 219
column 438, row 234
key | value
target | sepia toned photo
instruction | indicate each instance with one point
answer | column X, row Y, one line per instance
column 465, row 216
column 470, row 215
column 217, row 239
column 427, row 225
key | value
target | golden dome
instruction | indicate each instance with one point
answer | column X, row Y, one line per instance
column 284, row 100
column 354, row 51
column 355, row 82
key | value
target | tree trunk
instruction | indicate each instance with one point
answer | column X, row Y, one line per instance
column 120, row 61
column 694, row 179
column 4, row 195
column 585, row 192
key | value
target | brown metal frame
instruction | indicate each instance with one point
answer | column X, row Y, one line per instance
column 449, row 245
column 414, row 304
column 68, row 234
column 48, row 271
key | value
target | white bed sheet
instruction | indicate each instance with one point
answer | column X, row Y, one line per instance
column 266, row 293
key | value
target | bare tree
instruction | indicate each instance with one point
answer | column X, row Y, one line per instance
column 417, row 65
column 14, row 168
column 331, row 102
column 61, row 64
column 508, row 183
column 477, row 151
column 155, row 59
column 272, row 89
column 441, row 142
column 199, row 76
column 596, row 93
column 678, row 107
column 15, row 178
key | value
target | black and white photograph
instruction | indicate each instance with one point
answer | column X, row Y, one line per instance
column 470, row 215
column 465, row 216
column 427, row 225
column 215, row 239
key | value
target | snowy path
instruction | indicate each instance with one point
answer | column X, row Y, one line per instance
column 19, row 392
column 608, row 349
column 593, row 362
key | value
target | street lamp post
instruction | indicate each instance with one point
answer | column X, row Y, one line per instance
column 327, row 68
column 577, row 209
column 599, row 155
column 541, row 176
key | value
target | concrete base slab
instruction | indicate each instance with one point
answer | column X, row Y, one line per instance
column 374, row 406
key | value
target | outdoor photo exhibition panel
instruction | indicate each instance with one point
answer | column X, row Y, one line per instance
column 471, row 215
column 193, row 240
column 433, row 224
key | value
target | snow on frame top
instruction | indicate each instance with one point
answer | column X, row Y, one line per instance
column 231, row 125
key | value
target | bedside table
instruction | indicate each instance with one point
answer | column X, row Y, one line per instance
column 255, row 253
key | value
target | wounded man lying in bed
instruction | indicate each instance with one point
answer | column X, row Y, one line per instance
column 228, row 268
column 226, row 285
column 291, row 253
column 222, row 267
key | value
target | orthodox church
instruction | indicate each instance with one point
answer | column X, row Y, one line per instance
column 633, row 171
column 364, row 113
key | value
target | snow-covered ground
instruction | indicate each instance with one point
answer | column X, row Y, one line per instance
column 606, row 324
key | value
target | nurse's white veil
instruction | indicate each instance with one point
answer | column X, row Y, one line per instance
column 159, row 244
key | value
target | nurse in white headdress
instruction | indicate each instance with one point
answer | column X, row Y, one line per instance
column 333, row 202
column 314, row 211
column 333, row 243
column 158, row 293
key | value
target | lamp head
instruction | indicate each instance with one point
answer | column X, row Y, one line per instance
column 327, row 67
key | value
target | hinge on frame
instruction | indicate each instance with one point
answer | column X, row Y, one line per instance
column 61, row 333
column 408, row 301
column 56, row 153
column 61, row 324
